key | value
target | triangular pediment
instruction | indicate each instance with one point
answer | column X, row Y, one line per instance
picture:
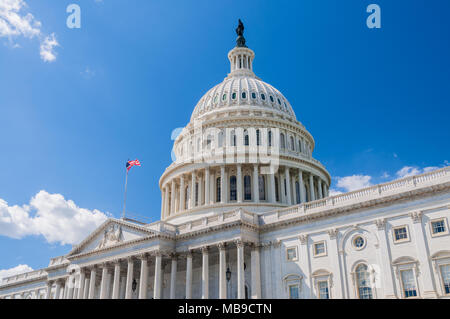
column 111, row 233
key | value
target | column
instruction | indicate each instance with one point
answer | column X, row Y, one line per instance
column 58, row 290
column 81, row 285
column 205, row 273
column 182, row 194
column 239, row 183
column 336, row 266
column 319, row 186
column 301, row 186
column 255, row 184
column 166, row 201
column 86, row 288
column 158, row 275
column 294, row 190
column 200, row 191
column 130, row 270
column 311, row 187
column 222, row 272
column 385, row 257
column 189, row 275
column 92, row 283
column 288, row 186
column 172, row 197
column 256, row 271
column 173, row 276
column 103, row 288
column 429, row 291
column 49, row 290
column 207, row 186
column 222, row 184
column 240, row 270
column 272, row 193
column 192, row 200
column 116, row 283
column 143, row 282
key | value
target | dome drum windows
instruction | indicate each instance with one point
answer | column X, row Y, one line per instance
column 233, row 96
column 253, row 95
column 244, row 95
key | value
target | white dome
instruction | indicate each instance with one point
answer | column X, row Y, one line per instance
column 242, row 91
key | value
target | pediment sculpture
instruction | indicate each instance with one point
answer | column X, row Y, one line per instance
column 112, row 235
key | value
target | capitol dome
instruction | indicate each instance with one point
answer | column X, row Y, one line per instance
column 242, row 149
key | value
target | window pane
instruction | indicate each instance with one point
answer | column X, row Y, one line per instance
column 363, row 280
column 400, row 233
column 262, row 188
column 247, row 188
column 409, row 284
column 319, row 248
column 218, row 189
column 233, row 195
column 323, row 290
column 293, row 292
column 445, row 273
column 438, row 227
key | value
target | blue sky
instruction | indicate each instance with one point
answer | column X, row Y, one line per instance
column 75, row 104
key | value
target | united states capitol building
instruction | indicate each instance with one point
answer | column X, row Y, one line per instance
column 246, row 213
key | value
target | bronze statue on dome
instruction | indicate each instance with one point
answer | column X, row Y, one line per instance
column 240, row 41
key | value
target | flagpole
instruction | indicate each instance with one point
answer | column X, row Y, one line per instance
column 125, row 196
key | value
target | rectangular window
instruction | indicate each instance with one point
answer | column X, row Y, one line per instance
column 400, row 234
column 323, row 290
column 409, row 283
column 319, row 249
column 291, row 254
column 293, row 292
column 438, row 227
column 445, row 274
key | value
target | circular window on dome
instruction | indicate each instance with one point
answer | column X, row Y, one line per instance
column 271, row 98
column 233, row 96
column 244, row 95
column 263, row 97
column 359, row 242
column 253, row 95
column 224, row 97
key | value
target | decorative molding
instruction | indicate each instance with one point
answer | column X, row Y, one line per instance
column 381, row 223
column 416, row 216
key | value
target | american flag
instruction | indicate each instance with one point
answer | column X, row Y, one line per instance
column 132, row 163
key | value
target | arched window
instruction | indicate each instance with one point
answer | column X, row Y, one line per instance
column 247, row 188
column 218, row 188
column 258, row 137
column 363, row 282
column 282, row 142
column 209, row 142
column 262, row 188
column 186, row 198
column 299, row 146
column 270, row 138
column 246, row 138
column 297, row 192
column 233, row 195
column 292, row 144
column 277, row 193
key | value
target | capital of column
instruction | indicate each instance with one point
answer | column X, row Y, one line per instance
column 222, row 246
column 416, row 217
column 157, row 253
column 173, row 255
column 143, row 256
column 189, row 253
column 205, row 250
column 303, row 239
column 333, row 232
column 239, row 243
column 381, row 223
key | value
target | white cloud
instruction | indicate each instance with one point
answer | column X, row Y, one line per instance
column 50, row 215
column 16, row 21
column 354, row 182
column 47, row 52
column 19, row 269
column 407, row 171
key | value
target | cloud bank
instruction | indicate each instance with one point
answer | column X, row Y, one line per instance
column 58, row 219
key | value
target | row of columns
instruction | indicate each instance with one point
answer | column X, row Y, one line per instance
column 202, row 186
column 86, row 281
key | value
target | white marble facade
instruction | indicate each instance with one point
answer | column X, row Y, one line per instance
column 259, row 222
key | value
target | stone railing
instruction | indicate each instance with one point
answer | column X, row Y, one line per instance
column 218, row 219
column 370, row 193
column 25, row 276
